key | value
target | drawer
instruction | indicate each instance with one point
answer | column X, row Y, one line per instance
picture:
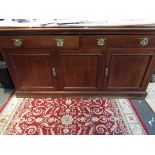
column 118, row 41
column 55, row 41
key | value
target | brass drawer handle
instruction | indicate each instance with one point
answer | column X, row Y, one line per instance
column 54, row 72
column 144, row 41
column 60, row 42
column 101, row 41
column 17, row 42
column 106, row 72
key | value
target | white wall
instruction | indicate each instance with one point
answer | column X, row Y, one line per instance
column 78, row 9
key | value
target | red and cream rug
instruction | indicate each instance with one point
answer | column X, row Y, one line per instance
column 70, row 116
column 150, row 98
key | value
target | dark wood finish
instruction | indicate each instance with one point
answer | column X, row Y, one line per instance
column 65, row 29
column 130, row 94
column 127, row 68
column 80, row 70
column 31, row 69
column 149, row 72
column 80, row 64
column 48, row 41
column 117, row 41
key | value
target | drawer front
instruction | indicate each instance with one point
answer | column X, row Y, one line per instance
column 118, row 41
column 56, row 41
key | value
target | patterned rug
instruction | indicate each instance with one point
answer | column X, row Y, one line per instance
column 150, row 99
column 70, row 116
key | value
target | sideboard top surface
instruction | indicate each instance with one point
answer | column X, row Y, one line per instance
column 80, row 28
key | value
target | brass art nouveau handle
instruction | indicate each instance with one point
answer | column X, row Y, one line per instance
column 54, row 72
column 144, row 41
column 17, row 42
column 60, row 42
column 101, row 41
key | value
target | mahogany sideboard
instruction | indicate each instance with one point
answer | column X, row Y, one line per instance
column 77, row 60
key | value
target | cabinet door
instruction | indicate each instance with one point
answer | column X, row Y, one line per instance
column 129, row 69
column 31, row 69
column 80, row 70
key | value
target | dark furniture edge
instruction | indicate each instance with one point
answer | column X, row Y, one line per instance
column 78, row 30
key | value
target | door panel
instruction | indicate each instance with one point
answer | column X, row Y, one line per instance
column 80, row 69
column 31, row 69
column 127, row 68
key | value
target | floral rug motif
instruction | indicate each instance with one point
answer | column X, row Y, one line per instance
column 69, row 116
column 150, row 98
